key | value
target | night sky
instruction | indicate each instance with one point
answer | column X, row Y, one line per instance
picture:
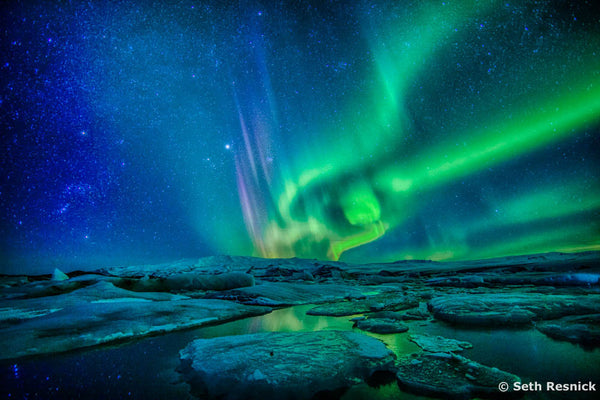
column 139, row 131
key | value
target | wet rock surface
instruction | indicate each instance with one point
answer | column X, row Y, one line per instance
column 528, row 278
column 103, row 313
column 192, row 281
column 282, row 365
column 450, row 376
column 391, row 300
column 510, row 309
column 287, row 294
column 438, row 344
column 381, row 325
column 581, row 329
column 341, row 308
column 557, row 294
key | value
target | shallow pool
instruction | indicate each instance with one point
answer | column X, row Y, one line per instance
column 146, row 368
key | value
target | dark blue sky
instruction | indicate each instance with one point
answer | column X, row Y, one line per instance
column 145, row 131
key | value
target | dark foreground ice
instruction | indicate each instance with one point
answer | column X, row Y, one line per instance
column 284, row 365
column 424, row 312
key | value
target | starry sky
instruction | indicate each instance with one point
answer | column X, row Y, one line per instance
column 365, row 131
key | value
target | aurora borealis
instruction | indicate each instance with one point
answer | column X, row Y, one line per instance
column 363, row 131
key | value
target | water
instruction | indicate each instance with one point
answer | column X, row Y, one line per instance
column 146, row 368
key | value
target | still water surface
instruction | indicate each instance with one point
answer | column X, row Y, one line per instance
column 145, row 369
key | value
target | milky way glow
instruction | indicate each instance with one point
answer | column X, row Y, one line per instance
column 370, row 131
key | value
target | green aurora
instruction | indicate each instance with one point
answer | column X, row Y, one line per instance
column 373, row 181
column 365, row 131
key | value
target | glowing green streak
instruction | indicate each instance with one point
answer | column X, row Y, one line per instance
column 506, row 140
column 360, row 205
column 401, row 49
column 510, row 138
column 565, row 238
column 372, row 232
column 380, row 199
column 554, row 202
column 528, row 132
